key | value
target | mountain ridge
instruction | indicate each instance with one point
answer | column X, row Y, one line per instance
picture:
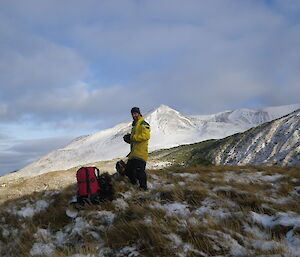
column 169, row 128
column 272, row 143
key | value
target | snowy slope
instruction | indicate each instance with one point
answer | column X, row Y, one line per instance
column 168, row 128
column 219, row 212
column 273, row 143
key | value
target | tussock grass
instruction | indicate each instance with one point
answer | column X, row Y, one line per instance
column 150, row 237
column 215, row 204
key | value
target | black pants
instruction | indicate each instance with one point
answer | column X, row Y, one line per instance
column 135, row 170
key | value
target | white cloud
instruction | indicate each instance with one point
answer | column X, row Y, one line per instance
column 87, row 63
column 23, row 152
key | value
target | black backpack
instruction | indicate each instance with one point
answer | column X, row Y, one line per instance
column 106, row 190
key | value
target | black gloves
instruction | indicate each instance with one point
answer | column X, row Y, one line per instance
column 126, row 138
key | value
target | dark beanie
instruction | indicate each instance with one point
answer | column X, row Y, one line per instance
column 135, row 109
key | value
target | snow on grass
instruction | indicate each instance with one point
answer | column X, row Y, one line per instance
column 158, row 164
column 266, row 245
column 280, row 218
column 148, row 220
column 39, row 249
column 213, row 216
column 293, row 242
column 120, row 204
column 271, row 178
column 126, row 195
column 78, row 227
column 31, row 209
column 71, row 213
column 222, row 188
column 213, row 208
column 290, row 220
column 233, row 245
column 182, row 249
column 297, row 191
column 172, row 209
column 42, row 235
column 251, row 177
column 128, row 251
column 256, row 232
column 106, row 217
column 81, row 255
column 189, row 176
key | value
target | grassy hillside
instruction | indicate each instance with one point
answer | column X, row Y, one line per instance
column 180, row 155
column 202, row 211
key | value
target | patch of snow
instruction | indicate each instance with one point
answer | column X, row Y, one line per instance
column 81, row 255
column 271, row 178
column 168, row 186
column 293, row 242
column 148, row 220
column 280, row 218
column 297, row 191
column 120, row 204
column 222, row 188
column 214, row 208
column 235, row 248
column 26, row 212
column 71, row 213
column 219, row 214
column 128, row 251
column 189, row 176
column 127, row 195
column 42, row 235
column 193, row 221
column 182, row 249
column 60, row 238
column 41, row 205
column 30, row 210
column 106, row 217
column 246, row 178
column 289, row 219
column 42, row 249
column 256, row 232
column 77, row 228
column 51, row 193
column 105, row 251
column 282, row 200
column 155, row 177
column 5, row 232
column 172, row 209
column 266, row 245
column 155, row 165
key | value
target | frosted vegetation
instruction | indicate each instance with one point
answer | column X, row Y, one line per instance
column 202, row 211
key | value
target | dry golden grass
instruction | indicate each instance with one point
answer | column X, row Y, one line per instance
column 147, row 225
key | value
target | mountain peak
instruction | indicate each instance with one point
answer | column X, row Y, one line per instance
column 164, row 108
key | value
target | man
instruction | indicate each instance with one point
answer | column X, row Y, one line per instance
column 138, row 156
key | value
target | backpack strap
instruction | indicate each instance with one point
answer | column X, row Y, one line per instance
column 87, row 181
column 98, row 172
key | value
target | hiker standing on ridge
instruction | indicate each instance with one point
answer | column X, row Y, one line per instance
column 138, row 156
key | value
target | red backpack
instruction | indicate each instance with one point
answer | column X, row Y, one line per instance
column 87, row 185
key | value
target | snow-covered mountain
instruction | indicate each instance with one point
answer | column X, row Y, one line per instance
column 273, row 143
column 168, row 128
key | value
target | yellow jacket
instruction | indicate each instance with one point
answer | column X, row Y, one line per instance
column 140, row 134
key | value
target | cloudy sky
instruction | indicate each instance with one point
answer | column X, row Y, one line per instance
column 73, row 67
